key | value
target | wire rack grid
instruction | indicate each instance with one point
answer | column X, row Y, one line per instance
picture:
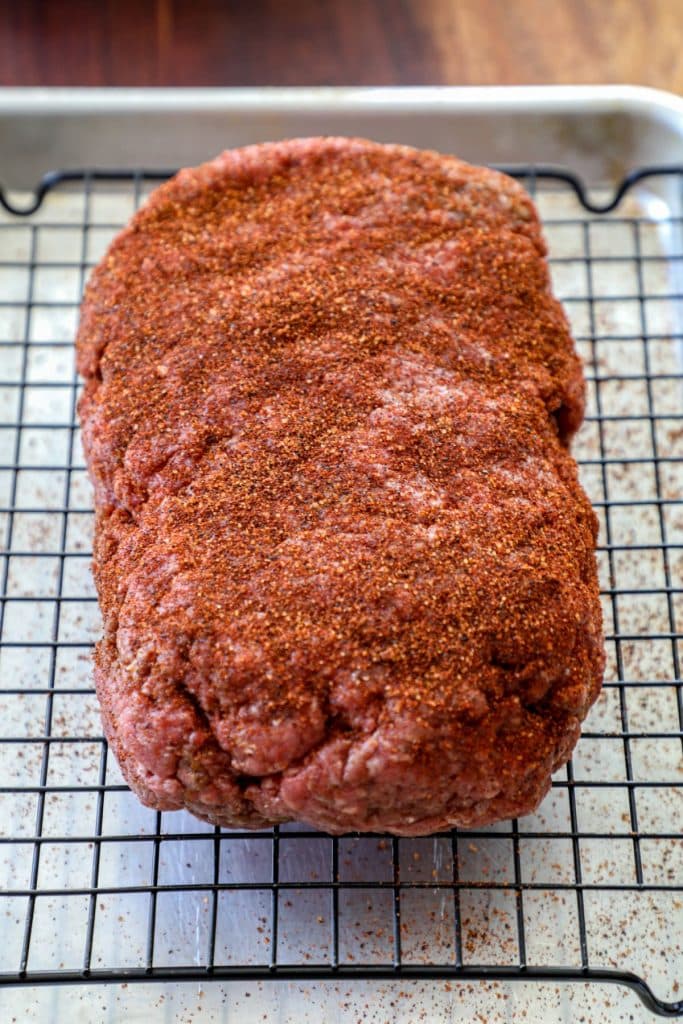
column 95, row 887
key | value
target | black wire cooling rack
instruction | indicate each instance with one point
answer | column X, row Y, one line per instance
column 97, row 889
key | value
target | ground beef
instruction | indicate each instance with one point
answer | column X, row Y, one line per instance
column 345, row 566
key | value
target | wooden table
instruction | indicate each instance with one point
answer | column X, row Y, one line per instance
column 358, row 42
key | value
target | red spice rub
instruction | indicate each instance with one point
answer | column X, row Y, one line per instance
column 346, row 570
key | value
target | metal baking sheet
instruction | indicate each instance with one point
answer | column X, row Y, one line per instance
column 601, row 132
column 99, row 849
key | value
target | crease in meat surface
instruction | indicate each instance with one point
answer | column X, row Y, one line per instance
column 345, row 565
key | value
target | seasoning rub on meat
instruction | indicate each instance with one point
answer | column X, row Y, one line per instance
column 345, row 566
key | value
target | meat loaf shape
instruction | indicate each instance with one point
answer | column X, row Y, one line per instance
column 345, row 566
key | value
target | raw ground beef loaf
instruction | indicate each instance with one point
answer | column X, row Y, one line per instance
column 345, row 567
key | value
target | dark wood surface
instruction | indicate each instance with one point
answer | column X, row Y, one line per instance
column 355, row 42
